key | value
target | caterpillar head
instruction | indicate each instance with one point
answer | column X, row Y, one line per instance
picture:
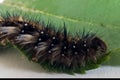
column 99, row 44
column 92, row 44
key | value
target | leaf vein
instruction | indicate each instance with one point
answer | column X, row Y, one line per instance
column 24, row 8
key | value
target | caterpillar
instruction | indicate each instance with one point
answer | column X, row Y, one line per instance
column 53, row 49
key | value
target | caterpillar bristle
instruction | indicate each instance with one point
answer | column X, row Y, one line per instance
column 45, row 44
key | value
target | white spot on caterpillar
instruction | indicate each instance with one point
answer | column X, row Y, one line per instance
column 88, row 50
column 76, row 53
column 74, row 46
column 40, row 39
column 49, row 51
column 25, row 24
column 1, row 1
column 63, row 55
column 22, row 31
column 84, row 41
column 84, row 45
column 53, row 38
column 36, row 47
column 52, row 44
column 42, row 32
column 65, row 47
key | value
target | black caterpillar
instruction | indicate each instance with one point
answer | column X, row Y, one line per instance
column 45, row 45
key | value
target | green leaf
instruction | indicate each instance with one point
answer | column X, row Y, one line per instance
column 101, row 16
